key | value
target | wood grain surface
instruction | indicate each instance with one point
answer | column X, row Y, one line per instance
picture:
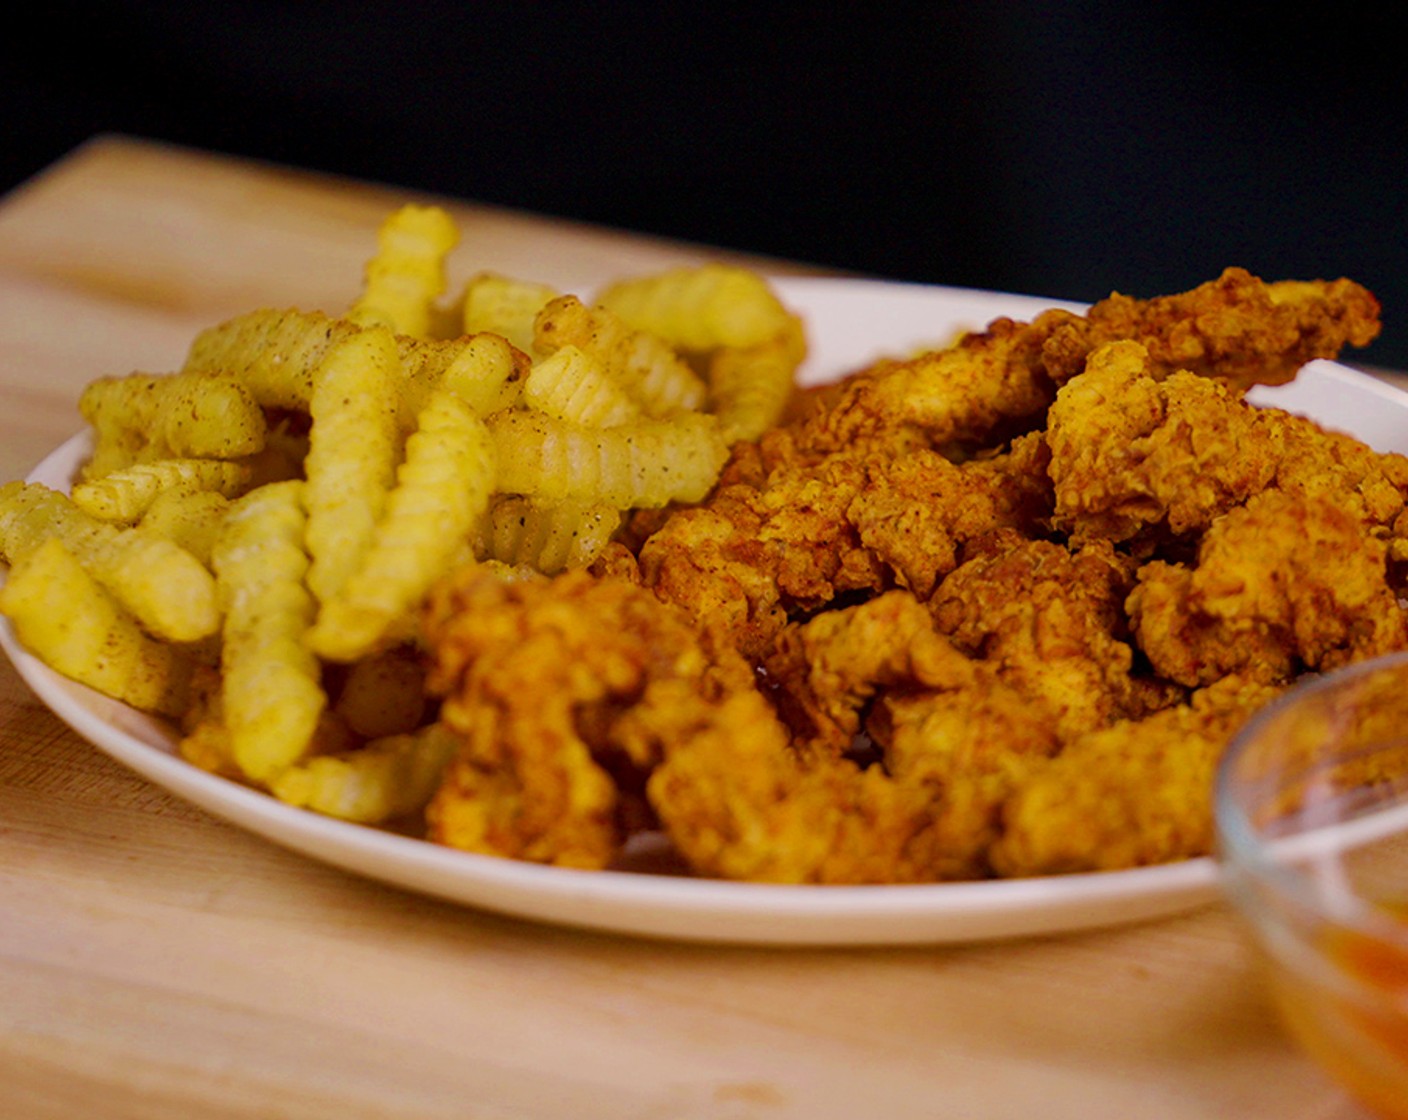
column 158, row 963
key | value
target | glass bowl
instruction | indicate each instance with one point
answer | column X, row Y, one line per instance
column 1312, row 818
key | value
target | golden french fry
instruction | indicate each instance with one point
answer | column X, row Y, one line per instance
column 388, row 778
column 66, row 619
column 643, row 364
column 442, row 488
column 749, row 387
column 547, row 538
column 504, row 306
column 115, row 448
column 175, row 416
column 646, row 464
column 407, row 275
column 487, row 373
column 124, row 496
column 190, row 518
column 169, row 591
column 573, row 385
column 354, row 444
column 272, row 695
column 700, row 307
column 276, row 352
column 273, row 352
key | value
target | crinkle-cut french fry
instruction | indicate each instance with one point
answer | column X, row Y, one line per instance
column 407, row 274
column 275, row 353
column 169, row 591
column 505, row 306
column 383, row 693
column 388, row 778
column 643, row 364
column 749, row 387
column 547, row 538
column 643, row 465
column 176, row 416
column 190, row 517
column 272, row 694
column 272, row 351
column 206, row 742
column 114, row 449
column 700, row 307
column 442, row 489
column 487, row 373
column 573, row 385
column 64, row 617
column 125, row 496
column 511, row 573
column 353, row 447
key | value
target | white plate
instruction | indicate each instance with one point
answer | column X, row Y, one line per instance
column 851, row 322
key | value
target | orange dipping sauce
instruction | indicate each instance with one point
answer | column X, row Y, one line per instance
column 1362, row 1043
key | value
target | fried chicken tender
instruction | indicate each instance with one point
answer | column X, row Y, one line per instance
column 746, row 558
column 970, row 748
column 1132, row 794
column 1135, row 456
column 1132, row 453
column 1237, row 329
column 1286, row 583
column 739, row 804
column 823, row 672
column 1050, row 619
column 988, row 382
column 917, row 512
column 570, row 693
column 1310, row 460
column 950, row 731
column 536, row 677
column 753, row 556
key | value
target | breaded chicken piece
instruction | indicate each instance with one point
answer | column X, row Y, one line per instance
column 739, row 804
column 1050, row 620
column 540, row 679
column 1311, row 460
column 1287, row 582
column 989, row 383
column 1136, row 793
column 822, row 673
column 1237, row 329
column 949, row 730
column 747, row 557
column 969, row 748
column 950, row 736
column 753, row 556
column 1132, row 453
column 917, row 512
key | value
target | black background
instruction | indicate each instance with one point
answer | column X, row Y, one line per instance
column 1060, row 149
